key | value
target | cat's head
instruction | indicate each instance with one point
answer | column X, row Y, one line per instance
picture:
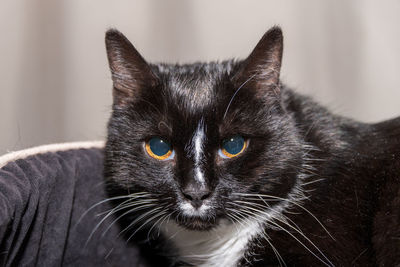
column 194, row 143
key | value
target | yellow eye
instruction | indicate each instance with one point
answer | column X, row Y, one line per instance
column 233, row 146
column 159, row 149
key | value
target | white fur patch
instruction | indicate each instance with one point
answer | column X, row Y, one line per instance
column 198, row 146
column 221, row 247
column 199, row 175
column 188, row 209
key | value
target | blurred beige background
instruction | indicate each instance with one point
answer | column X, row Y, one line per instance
column 55, row 85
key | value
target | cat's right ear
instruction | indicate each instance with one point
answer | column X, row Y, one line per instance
column 261, row 69
column 130, row 72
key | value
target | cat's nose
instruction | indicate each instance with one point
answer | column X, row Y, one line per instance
column 196, row 197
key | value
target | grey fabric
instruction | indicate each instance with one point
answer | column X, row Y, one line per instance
column 42, row 198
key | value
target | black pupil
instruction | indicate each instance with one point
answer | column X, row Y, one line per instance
column 233, row 145
column 159, row 147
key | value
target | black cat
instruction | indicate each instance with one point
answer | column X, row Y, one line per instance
column 219, row 164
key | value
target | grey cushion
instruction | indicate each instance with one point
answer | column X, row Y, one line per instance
column 42, row 200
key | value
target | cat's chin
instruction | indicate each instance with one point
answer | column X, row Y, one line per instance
column 197, row 224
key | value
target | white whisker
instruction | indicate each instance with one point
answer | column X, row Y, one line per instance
column 261, row 196
column 139, row 194
column 161, row 218
column 138, row 219
column 145, row 223
column 127, row 212
column 271, row 221
column 124, row 205
column 237, row 91
column 278, row 256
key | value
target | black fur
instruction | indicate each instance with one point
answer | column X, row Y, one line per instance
column 346, row 173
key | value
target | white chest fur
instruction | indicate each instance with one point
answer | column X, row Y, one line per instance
column 220, row 247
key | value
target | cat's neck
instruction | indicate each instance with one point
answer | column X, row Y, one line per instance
column 223, row 246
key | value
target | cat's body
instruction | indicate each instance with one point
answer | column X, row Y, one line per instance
column 308, row 188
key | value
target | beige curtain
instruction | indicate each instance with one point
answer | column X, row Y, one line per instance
column 55, row 85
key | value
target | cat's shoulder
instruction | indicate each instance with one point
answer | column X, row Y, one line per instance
column 386, row 223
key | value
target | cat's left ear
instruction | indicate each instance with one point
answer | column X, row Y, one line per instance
column 130, row 72
column 261, row 69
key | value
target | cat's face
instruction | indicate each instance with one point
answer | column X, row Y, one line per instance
column 193, row 143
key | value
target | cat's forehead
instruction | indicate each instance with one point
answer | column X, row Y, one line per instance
column 194, row 85
column 198, row 68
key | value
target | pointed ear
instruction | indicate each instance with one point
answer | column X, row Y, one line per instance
column 261, row 69
column 130, row 72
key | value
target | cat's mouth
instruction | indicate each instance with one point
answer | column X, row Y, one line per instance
column 197, row 218
column 197, row 223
